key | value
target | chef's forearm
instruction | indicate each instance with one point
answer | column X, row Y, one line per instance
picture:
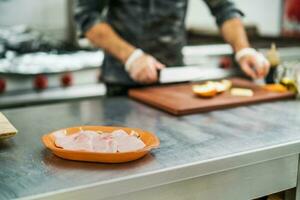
column 102, row 35
column 234, row 33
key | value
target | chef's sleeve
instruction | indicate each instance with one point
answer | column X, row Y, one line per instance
column 88, row 13
column 223, row 10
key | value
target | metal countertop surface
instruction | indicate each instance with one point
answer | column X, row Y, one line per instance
column 191, row 146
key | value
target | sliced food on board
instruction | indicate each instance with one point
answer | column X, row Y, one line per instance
column 211, row 88
column 242, row 92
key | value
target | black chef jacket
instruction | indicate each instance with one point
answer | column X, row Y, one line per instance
column 155, row 26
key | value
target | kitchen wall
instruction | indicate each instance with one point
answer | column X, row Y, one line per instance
column 51, row 16
column 265, row 14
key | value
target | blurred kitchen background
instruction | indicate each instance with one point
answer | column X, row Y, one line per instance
column 42, row 60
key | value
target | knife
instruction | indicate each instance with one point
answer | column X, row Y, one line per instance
column 192, row 73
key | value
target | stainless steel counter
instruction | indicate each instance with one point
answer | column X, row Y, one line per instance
column 192, row 147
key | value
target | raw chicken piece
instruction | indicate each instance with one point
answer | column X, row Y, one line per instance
column 90, row 133
column 100, row 145
column 129, row 143
column 77, row 141
column 119, row 133
column 112, row 146
column 83, row 141
column 64, row 141
column 106, row 136
column 104, row 144
column 107, row 143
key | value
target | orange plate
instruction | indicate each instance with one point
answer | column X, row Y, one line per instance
column 150, row 140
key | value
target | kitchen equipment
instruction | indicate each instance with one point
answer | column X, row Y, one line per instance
column 178, row 99
column 49, row 76
column 150, row 140
column 7, row 130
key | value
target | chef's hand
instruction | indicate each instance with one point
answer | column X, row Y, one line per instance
column 143, row 68
column 253, row 63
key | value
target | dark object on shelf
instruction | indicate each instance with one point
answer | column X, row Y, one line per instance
column 2, row 50
column 226, row 62
column 40, row 82
column 270, row 76
column 2, row 85
column 66, row 80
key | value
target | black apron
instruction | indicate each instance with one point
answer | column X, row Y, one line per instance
column 155, row 26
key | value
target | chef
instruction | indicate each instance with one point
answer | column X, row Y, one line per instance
column 141, row 37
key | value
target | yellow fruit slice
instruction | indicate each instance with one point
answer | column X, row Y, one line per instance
column 220, row 87
column 275, row 88
column 241, row 92
column 211, row 88
column 205, row 90
column 227, row 84
column 290, row 84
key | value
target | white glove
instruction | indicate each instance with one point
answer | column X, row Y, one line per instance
column 142, row 67
column 253, row 63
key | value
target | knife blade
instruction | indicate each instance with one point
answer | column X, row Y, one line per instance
column 192, row 73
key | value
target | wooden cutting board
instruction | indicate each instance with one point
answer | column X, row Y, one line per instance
column 179, row 99
column 7, row 130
